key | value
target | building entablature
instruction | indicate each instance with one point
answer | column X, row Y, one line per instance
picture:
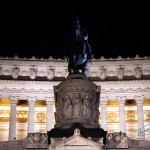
column 101, row 69
column 42, row 89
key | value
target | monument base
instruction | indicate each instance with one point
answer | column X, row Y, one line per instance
column 76, row 141
column 94, row 133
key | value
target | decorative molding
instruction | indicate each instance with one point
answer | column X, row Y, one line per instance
column 121, row 100
column 102, row 68
column 103, row 100
column 49, row 100
column 139, row 99
column 25, row 90
column 13, row 100
column 31, row 100
column 125, row 90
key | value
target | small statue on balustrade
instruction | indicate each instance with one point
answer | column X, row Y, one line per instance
column 15, row 72
column 120, row 72
column 138, row 72
column 50, row 73
column 33, row 72
column 103, row 73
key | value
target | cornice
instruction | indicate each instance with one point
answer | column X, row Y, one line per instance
column 33, row 58
column 27, row 91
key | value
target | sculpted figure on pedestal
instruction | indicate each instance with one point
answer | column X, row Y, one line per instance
column 33, row 73
column 138, row 72
column 103, row 73
column 78, row 49
column 15, row 72
column 120, row 72
column 50, row 73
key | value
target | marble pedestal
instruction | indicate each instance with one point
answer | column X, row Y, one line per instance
column 77, row 106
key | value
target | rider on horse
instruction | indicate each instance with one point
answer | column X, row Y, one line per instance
column 78, row 50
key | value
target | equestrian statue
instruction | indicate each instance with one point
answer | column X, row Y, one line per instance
column 78, row 50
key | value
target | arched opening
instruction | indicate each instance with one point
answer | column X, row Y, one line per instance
column 22, row 119
column 4, row 118
column 112, row 116
column 40, row 116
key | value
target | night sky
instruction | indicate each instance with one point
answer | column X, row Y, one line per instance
column 40, row 28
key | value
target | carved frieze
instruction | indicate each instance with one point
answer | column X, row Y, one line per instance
column 76, row 101
column 101, row 68
column 26, row 90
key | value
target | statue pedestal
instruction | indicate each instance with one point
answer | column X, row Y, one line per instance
column 77, row 106
column 77, row 101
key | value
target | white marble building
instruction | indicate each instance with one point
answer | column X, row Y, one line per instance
column 27, row 96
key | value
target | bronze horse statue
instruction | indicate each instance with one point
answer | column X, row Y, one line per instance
column 78, row 50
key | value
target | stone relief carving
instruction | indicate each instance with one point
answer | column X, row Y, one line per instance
column 37, row 140
column 15, row 72
column 68, row 106
column 117, row 140
column 33, row 72
column 77, row 105
column 86, row 107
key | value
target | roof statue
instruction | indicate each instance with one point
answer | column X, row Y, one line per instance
column 78, row 50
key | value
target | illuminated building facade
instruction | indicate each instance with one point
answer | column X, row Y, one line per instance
column 27, row 96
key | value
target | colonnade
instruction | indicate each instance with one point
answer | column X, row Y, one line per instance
column 49, row 101
column 31, row 101
column 122, row 124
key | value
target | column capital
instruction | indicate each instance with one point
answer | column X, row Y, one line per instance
column 31, row 100
column 49, row 100
column 13, row 100
column 121, row 100
column 103, row 100
column 139, row 99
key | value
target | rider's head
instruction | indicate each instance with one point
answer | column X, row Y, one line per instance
column 84, row 35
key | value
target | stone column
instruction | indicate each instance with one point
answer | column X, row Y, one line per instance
column 12, row 121
column 122, row 122
column 49, row 114
column 31, row 101
column 140, row 117
column 103, row 102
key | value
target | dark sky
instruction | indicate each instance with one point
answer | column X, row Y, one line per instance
column 40, row 28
